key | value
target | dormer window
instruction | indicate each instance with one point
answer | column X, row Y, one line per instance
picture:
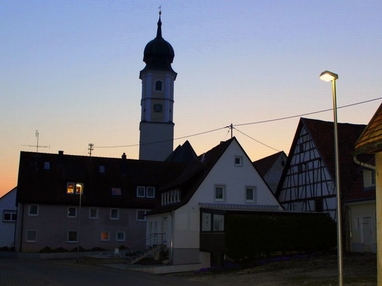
column 158, row 85
column 46, row 165
column 146, row 192
column 102, row 169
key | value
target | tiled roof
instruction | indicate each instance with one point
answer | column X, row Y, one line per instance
column 322, row 133
column 39, row 185
column 263, row 165
column 370, row 140
column 189, row 181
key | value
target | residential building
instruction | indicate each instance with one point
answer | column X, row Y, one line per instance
column 271, row 168
column 67, row 201
column 221, row 179
column 8, row 222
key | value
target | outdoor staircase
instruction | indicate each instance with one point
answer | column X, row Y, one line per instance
column 139, row 255
column 149, row 246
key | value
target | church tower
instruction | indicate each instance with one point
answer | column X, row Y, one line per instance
column 157, row 126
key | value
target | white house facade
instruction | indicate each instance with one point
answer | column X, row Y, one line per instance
column 8, row 212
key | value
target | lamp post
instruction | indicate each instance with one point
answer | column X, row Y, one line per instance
column 332, row 77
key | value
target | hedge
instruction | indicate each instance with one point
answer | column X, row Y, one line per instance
column 254, row 235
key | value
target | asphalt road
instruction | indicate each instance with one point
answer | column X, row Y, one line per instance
column 17, row 271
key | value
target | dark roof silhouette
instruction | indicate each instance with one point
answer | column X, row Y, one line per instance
column 263, row 165
column 182, row 154
column 39, row 185
column 195, row 173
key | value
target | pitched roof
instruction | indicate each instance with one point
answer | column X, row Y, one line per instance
column 265, row 164
column 370, row 140
column 39, row 185
column 322, row 133
column 195, row 173
column 182, row 154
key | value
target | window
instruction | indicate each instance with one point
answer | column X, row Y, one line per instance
column 74, row 188
column 145, row 192
column 250, row 194
column 150, row 192
column 373, row 178
column 93, row 213
column 72, row 212
column 33, row 210
column 218, row 222
column 116, row 191
column 105, row 236
column 158, row 85
column 9, row 216
column 72, row 236
column 120, row 236
column 238, row 161
column 141, row 192
column 206, row 221
column 102, row 169
column 114, row 213
column 141, row 215
column 219, row 193
column 31, row 236
column 46, row 165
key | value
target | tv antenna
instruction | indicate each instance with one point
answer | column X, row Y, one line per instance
column 37, row 145
column 90, row 149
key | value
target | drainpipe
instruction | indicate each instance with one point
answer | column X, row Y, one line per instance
column 362, row 164
column 172, row 239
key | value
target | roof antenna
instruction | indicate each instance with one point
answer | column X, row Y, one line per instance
column 37, row 146
column 90, row 149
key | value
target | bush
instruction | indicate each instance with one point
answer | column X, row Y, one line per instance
column 248, row 236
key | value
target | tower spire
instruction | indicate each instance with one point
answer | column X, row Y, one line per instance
column 159, row 30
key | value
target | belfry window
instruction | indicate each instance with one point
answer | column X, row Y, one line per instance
column 158, row 85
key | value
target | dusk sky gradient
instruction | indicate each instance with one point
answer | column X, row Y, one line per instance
column 70, row 69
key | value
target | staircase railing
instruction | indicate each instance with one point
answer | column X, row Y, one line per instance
column 151, row 240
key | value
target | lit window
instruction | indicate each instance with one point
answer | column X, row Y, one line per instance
column 150, row 192
column 33, row 210
column 9, row 216
column 72, row 212
column 250, row 194
column 31, row 236
column 219, row 193
column 120, row 236
column 116, row 192
column 105, row 236
column 238, row 161
column 72, row 236
column 93, row 213
column 114, row 213
column 141, row 215
column 141, row 192
column 74, row 188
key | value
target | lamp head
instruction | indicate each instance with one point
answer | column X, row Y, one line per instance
column 328, row 76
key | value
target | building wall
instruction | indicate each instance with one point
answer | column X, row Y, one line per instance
column 52, row 225
column 7, row 227
column 186, row 219
column 362, row 220
column 272, row 177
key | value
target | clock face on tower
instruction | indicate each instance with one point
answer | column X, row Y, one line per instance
column 157, row 107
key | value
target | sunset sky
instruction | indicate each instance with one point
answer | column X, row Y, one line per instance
column 70, row 69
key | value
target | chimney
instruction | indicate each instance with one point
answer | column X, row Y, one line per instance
column 123, row 164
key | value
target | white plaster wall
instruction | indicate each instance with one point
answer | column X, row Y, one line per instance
column 7, row 229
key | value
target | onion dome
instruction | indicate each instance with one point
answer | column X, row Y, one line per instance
column 158, row 53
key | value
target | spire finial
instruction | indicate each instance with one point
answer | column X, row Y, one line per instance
column 159, row 31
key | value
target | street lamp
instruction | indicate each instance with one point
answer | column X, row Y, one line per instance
column 330, row 76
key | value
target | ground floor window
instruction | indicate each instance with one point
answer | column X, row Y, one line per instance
column 72, row 236
column 105, row 236
column 120, row 236
column 31, row 236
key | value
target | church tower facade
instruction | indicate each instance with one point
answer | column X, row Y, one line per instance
column 157, row 126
